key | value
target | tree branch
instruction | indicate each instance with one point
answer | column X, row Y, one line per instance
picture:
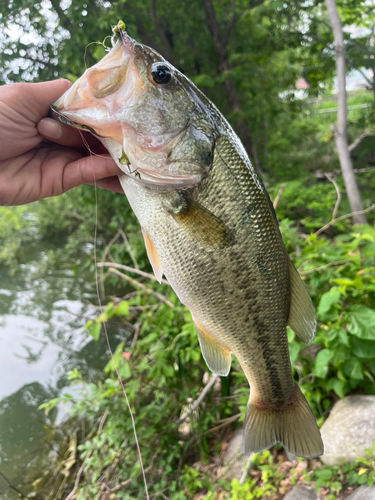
column 344, row 217
column 131, row 270
column 279, row 193
column 325, row 266
column 136, row 284
column 338, row 200
column 198, row 401
column 20, row 494
column 354, row 144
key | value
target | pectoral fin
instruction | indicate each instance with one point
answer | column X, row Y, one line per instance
column 217, row 357
column 152, row 256
column 302, row 318
column 201, row 224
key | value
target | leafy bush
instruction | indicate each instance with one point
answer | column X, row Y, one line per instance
column 340, row 276
column 163, row 370
column 160, row 373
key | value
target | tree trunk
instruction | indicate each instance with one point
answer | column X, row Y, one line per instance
column 339, row 131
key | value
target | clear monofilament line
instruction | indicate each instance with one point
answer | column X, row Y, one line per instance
column 110, row 350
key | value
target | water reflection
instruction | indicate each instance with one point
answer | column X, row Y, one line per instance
column 22, row 429
column 41, row 333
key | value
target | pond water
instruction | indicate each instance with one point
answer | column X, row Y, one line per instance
column 42, row 315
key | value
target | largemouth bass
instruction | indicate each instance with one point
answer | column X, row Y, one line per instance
column 209, row 227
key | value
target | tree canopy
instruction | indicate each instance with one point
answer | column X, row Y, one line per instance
column 246, row 55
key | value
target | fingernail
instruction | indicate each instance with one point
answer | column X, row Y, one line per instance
column 50, row 129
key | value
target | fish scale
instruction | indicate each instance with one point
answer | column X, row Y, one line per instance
column 241, row 316
column 208, row 225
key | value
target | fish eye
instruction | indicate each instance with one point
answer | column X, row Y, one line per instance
column 161, row 74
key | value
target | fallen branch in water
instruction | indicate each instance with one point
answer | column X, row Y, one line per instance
column 198, row 401
column 136, row 284
column 19, row 492
column 358, row 212
column 131, row 270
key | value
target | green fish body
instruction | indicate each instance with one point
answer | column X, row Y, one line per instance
column 209, row 227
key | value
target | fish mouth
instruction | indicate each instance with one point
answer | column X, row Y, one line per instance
column 94, row 98
column 58, row 116
column 164, row 182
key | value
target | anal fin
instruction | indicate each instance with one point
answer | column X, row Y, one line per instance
column 152, row 256
column 302, row 317
column 217, row 357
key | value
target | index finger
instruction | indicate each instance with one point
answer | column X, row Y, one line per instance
column 65, row 135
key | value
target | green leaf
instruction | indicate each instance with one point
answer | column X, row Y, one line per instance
column 372, row 366
column 290, row 333
column 343, row 336
column 325, row 474
column 115, row 360
column 321, row 362
column 294, row 349
column 47, row 407
column 148, row 339
column 337, row 386
column 124, row 370
column 352, row 477
column 123, row 308
column 357, row 372
column 363, row 348
column 94, row 331
column 327, row 300
column 370, row 480
column 167, row 370
column 74, row 374
column 362, row 322
column 362, row 479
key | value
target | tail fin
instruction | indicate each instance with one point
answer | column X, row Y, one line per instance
column 293, row 426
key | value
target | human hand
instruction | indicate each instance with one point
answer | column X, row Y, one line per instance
column 31, row 166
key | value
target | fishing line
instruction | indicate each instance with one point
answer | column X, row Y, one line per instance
column 97, row 43
column 109, row 347
column 86, row 144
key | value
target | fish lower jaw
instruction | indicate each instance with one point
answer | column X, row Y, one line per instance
column 155, row 180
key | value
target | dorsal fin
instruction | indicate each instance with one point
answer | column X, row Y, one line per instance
column 217, row 357
column 153, row 256
column 302, row 317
